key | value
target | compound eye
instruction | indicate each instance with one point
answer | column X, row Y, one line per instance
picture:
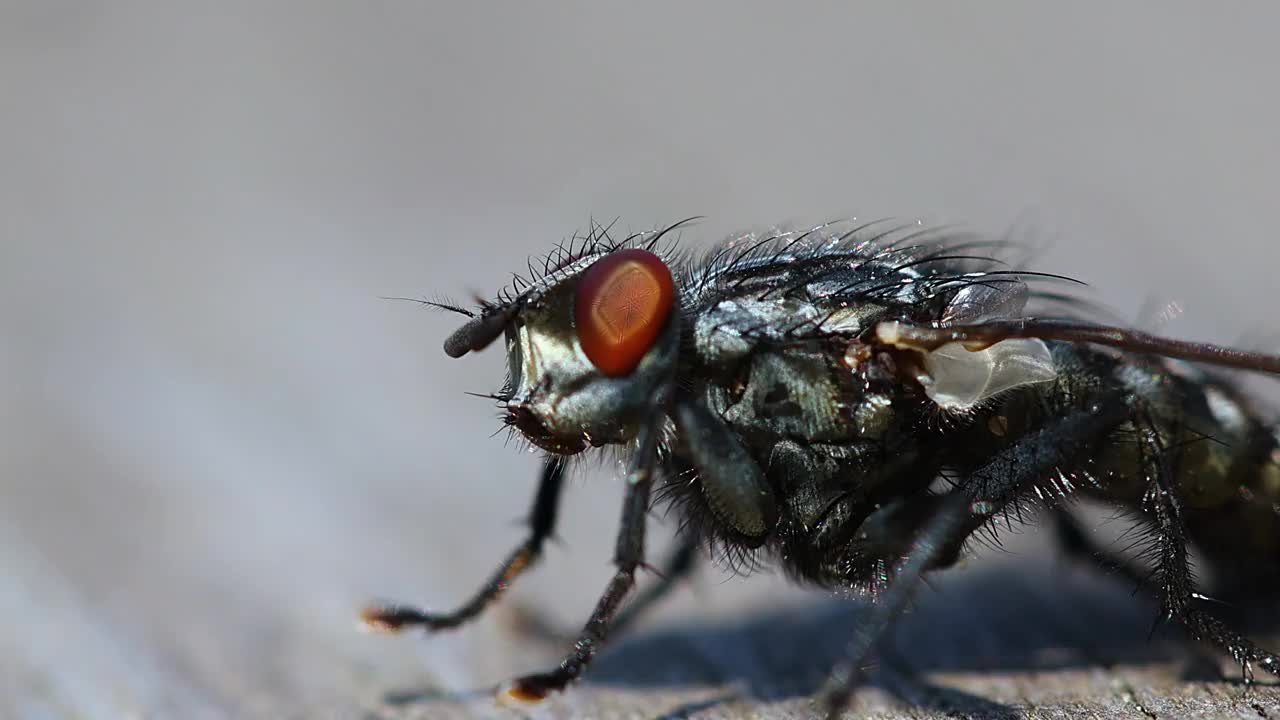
column 622, row 302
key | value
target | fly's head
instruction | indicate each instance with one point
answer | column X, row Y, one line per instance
column 588, row 347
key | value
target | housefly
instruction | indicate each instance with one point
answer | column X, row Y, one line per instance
column 852, row 404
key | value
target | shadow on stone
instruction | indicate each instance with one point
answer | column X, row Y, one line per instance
column 989, row 621
column 998, row 620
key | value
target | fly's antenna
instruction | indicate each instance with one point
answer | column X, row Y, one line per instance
column 445, row 305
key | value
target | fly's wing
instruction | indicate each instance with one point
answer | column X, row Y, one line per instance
column 958, row 379
column 978, row 336
column 976, row 303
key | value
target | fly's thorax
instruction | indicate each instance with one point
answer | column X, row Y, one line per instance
column 771, row 385
column 807, row 393
column 789, row 393
column 733, row 329
column 560, row 399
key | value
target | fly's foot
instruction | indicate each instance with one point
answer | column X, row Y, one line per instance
column 530, row 689
column 393, row 619
column 833, row 700
column 837, row 693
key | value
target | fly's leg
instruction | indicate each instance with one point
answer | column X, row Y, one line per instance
column 979, row 497
column 949, row 524
column 677, row 568
column 1077, row 544
column 735, row 489
column 628, row 555
column 542, row 520
column 1177, row 587
column 732, row 484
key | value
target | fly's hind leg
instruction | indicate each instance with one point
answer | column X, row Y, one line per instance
column 1078, row 545
column 1176, row 585
column 542, row 520
column 1197, row 663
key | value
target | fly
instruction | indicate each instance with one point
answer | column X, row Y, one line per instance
column 852, row 405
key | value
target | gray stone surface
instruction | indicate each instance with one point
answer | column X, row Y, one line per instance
column 216, row 442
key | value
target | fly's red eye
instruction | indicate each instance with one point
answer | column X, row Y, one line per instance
column 622, row 302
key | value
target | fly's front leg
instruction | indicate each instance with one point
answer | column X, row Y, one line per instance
column 979, row 496
column 677, row 567
column 628, row 555
column 542, row 520
column 732, row 484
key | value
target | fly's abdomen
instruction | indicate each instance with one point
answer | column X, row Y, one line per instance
column 1230, row 487
column 1223, row 458
column 1228, row 455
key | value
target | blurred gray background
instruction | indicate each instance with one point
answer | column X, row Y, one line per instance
column 216, row 441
